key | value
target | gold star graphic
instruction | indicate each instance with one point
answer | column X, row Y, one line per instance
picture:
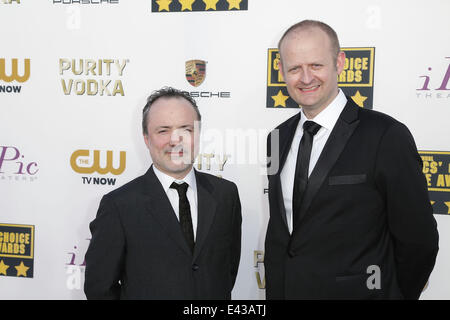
column 432, row 202
column 210, row 4
column 186, row 4
column 280, row 99
column 359, row 99
column 234, row 4
column 21, row 269
column 3, row 268
column 163, row 4
column 448, row 205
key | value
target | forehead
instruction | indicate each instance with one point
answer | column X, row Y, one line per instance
column 310, row 43
column 171, row 109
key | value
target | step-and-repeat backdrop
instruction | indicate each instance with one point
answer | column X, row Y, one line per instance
column 75, row 74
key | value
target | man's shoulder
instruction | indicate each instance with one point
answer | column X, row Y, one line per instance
column 130, row 188
column 377, row 121
column 290, row 121
column 374, row 115
column 215, row 181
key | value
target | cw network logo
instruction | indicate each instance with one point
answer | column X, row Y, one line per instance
column 82, row 162
column 11, row 72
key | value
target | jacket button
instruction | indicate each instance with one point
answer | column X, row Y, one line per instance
column 195, row 267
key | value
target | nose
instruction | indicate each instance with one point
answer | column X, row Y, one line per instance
column 175, row 138
column 306, row 76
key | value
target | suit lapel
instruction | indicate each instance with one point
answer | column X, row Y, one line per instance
column 206, row 211
column 342, row 131
column 285, row 137
column 159, row 207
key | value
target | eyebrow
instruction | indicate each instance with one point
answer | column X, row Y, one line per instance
column 168, row 127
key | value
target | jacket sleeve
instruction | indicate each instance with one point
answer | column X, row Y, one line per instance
column 237, row 233
column 409, row 212
column 104, row 257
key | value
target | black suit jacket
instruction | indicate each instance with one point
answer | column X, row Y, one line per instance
column 366, row 205
column 138, row 250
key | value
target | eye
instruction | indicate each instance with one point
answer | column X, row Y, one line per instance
column 316, row 66
column 293, row 70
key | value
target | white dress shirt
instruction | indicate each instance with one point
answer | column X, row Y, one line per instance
column 327, row 119
column 172, row 194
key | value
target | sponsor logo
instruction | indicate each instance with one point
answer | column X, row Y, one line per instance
column 436, row 168
column 83, row 162
column 211, row 162
column 195, row 72
column 356, row 80
column 258, row 263
column 14, row 167
column 76, row 266
column 198, row 5
column 434, row 85
column 93, row 77
column 11, row 71
column 16, row 250
column 9, row 1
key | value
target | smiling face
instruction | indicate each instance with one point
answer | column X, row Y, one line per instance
column 172, row 135
column 310, row 69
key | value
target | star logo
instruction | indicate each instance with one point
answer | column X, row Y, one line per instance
column 210, row 4
column 3, row 268
column 234, row 4
column 21, row 269
column 163, row 4
column 280, row 99
column 186, row 4
column 359, row 99
column 448, row 205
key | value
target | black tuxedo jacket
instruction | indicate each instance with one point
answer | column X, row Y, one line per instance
column 138, row 250
column 366, row 204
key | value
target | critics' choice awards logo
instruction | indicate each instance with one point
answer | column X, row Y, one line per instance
column 198, row 5
column 434, row 84
column 14, row 166
column 436, row 168
column 195, row 74
column 13, row 72
column 97, row 162
column 356, row 80
column 100, row 77
column 16, row 250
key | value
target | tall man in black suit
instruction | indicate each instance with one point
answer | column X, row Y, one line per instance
column 350, row 216
column 173, row 233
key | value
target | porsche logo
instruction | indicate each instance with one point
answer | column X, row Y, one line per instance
column 195, row 72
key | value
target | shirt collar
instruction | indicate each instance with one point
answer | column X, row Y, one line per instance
column 327, row 118
column 167, row 180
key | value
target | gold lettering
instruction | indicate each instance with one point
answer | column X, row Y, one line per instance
column 14, row 71
column 74, row 165
column 118, row 88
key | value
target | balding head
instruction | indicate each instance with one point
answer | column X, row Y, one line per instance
column 313, row 24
